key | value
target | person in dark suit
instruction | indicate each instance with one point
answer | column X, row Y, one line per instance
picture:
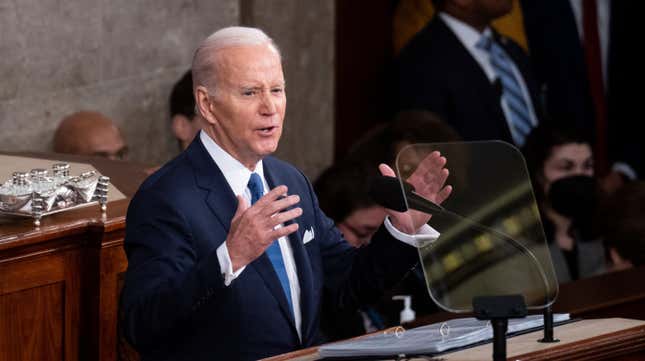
column 561, row 58
column 229, row 255
column 479, row 82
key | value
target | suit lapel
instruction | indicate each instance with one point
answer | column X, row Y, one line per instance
column 223, row 203
column 476, row 81
column 303, row 267
column 219, row 197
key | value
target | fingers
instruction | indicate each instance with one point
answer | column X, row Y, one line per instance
column 434, row 182
column 443, row 194
column 431, row 163
column 283, row 217
column 386, row 170
column 284, row 231
column 272, row 195
column 430, row 174
column 278, row 205
column 272, row 209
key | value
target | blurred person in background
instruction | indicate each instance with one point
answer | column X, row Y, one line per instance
column 560, row 163
column 477, row 80
column 184, row 123
column 90, row 133
column 624, row 229
column 343, row 195
column 582, row 54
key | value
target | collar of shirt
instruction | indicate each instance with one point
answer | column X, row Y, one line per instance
column 469, row 36
column 236, row 174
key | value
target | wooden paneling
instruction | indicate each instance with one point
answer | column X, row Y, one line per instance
column 36, row 318
column 59, row 286
column 44, row 291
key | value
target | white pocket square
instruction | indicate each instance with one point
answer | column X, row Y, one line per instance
column 309, row 235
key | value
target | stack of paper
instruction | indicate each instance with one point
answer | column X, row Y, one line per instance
column 430, row 339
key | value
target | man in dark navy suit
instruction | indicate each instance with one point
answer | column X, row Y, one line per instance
column 476, row 80
column 589, row 79
column 230, row 257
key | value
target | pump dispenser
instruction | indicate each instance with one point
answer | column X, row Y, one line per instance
column 407, row 315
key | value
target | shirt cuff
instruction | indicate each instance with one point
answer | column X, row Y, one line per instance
column 625, row 169
column 226, row 266
column 425, row 235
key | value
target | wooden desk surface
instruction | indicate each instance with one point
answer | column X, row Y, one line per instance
column 596, row 339
column 16, row 232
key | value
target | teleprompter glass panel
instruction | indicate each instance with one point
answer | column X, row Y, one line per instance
column 492, row 241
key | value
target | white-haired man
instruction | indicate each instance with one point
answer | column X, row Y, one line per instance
column 229, row 255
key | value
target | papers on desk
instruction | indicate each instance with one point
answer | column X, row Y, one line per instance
column 430, row 339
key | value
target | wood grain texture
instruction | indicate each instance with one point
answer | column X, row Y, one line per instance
column 36, row 319
column 59, row 287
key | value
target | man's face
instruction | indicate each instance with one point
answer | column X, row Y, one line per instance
column 102, row 140
column 493, row 9
column 249, row 102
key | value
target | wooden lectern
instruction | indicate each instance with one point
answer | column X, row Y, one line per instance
column 59, row 290
column 59, row 284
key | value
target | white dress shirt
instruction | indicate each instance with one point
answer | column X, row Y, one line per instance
column 237, row 176
column 469, row 36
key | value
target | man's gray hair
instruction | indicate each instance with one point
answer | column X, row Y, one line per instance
column 204, row 59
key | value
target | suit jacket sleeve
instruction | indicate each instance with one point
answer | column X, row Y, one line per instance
column 353, row 277
column 165, row 280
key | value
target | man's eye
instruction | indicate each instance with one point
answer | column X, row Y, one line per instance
column 248, row 93
column 277, row 90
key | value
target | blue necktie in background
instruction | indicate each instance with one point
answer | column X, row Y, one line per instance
column 511, row 91
column 273, row 251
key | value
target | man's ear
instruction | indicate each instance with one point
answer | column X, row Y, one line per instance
column 204, row 105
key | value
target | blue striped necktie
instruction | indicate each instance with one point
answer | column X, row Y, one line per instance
column 516, row 102
column 273, row 251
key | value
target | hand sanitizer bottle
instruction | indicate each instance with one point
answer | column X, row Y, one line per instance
column 407, row 315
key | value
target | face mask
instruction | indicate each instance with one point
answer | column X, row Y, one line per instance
column 575, row 197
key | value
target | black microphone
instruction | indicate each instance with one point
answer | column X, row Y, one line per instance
column 386, row 192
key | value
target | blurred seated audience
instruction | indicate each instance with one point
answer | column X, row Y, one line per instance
column 625, row 227
column 182, row 111
column 342, row 192
column 90, row 133
column 183, row 122
column 383, row 142
column 560, row 163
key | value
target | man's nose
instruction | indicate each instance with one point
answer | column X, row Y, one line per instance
column 268, row 106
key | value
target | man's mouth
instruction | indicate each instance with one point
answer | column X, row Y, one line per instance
column 268, row 130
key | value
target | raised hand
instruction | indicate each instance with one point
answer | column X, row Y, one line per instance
column 253, row 228
column 429, row 181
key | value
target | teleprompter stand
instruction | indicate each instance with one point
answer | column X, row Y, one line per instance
column 499, row 309
column 548, row 326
